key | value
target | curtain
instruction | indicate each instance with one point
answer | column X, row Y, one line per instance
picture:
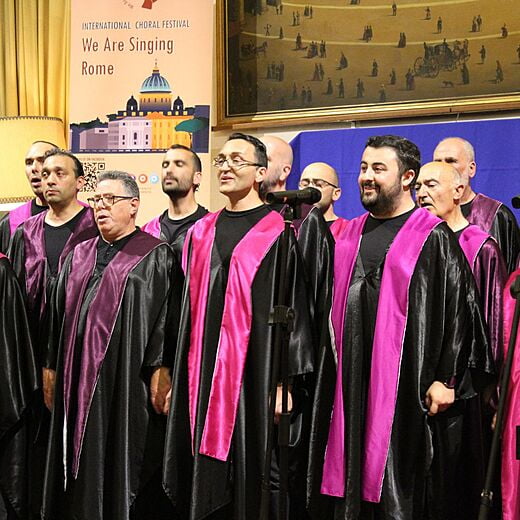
column 34, row 57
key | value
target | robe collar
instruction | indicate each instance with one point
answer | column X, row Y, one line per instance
column 483, row 211
column 471, row 241
column 19, row 215
column 36, row 255
column 153, row 227
column 338, row 227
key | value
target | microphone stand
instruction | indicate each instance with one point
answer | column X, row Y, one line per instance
column 486, row 497
column 281, row 317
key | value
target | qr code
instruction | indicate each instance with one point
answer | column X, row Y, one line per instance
column 92, row 169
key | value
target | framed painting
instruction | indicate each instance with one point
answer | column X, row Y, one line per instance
column 306, row 61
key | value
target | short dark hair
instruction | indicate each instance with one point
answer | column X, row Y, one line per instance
column 129, row 184
column 78, row 167
column 260, row 149
column 197, row 164
column 408, row 154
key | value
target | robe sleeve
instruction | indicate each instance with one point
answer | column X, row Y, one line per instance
column 301, row 342
column 165, row 284
column 5, row 234
column 52, row 329
column 16, row 254
column 491, row 275
column 505, row 230
column 19, row 377
column 464, row 344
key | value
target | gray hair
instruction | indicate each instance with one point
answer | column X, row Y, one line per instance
column 129, row 185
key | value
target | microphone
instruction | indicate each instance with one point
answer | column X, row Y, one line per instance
column 515, row 201
column 293, row 197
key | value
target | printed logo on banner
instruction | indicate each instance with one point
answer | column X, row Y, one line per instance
column 151, row 123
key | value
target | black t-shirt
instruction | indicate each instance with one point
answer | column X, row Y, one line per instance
column 55, row 239
column 466, row 208
column 35, row 209
column 172, row 228
column 459, row 232
column 106, row 251
column 232, row 226
column 378, row 234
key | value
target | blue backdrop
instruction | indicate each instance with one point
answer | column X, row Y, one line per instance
column 496, row 142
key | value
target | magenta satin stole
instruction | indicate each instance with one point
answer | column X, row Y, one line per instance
column 338, row 227
column 471, row 241
column 235, row 327
column 19, row 215
column 510, row 465
column 390, row 327
column 100, row 321
column 153, row 227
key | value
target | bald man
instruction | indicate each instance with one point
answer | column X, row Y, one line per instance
column 440, row 189
column 489, row 214
column 317, row 247
column 33, row 171
column 323, row 177
column 280, row 159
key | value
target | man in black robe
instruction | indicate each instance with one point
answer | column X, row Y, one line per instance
column 439, row 189
column 33, row 168
column 113, row 324
column 218, row 421
column 40, row 245
column 405, row 324
column 323, row 177
column 181, row 176
column 19, row 380
column 316, row 245
column 37, row 251
column 489, row 214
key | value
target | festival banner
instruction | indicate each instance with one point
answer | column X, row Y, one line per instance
column 140, row 81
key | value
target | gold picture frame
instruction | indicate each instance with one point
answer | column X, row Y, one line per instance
column 293, row 63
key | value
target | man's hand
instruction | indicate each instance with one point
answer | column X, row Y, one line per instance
column 49, row 382
column 160, row 385
column 278, row 404
column 439, row 398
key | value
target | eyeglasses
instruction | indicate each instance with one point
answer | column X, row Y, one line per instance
column 108, row 200
column 317, row 183
column 234, row 163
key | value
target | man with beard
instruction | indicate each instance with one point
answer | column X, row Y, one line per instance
column 489, row 214
column 113, row 321
column 33, row 169
column 404, row 322
column 181, row 176
column 218, row 421
column 316, row 245
column 38, row 248
column 323, row 177
column 439, row 189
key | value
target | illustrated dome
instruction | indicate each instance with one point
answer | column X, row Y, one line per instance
column 131, row 105
column 155, row 83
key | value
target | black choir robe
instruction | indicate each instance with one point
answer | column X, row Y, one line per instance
column 197, row 484
column 19, row 379
column 444, row 335
column 498, row 220
column 112, row 459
